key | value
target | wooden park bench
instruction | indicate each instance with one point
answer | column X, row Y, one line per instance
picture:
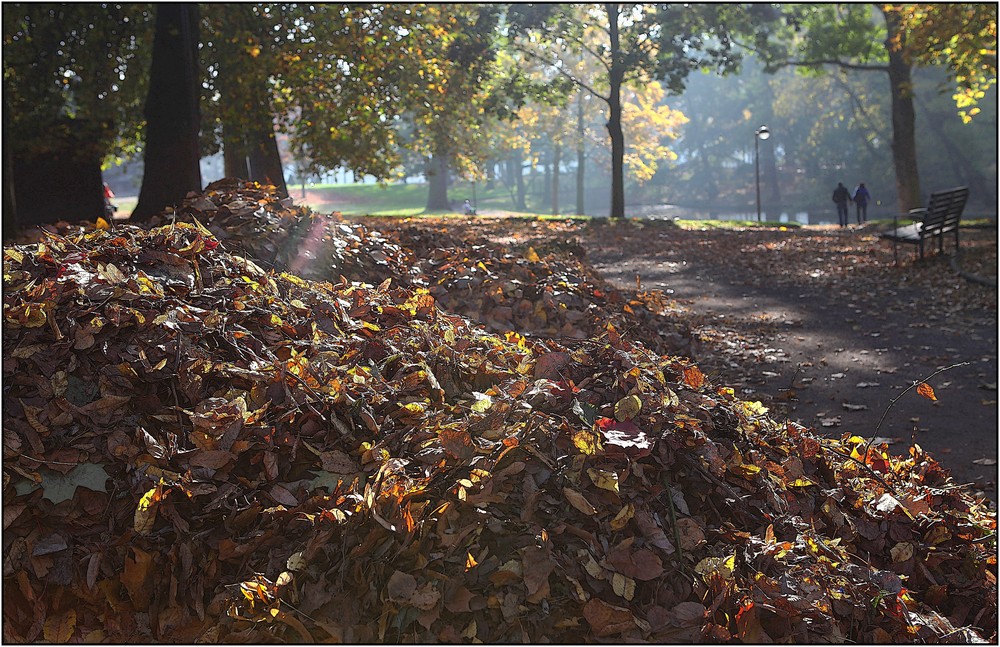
column 939, row 217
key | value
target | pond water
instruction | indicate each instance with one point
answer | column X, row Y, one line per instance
column 661, row 211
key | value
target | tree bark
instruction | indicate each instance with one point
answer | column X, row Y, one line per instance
column 60, row 182
column 234, row 155
column 437, row 181
column 265, row 159
column 904, row 143
column 10, row 219
column 173, row 117
column 616, row 76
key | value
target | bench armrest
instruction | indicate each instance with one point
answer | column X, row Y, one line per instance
column 917, row 214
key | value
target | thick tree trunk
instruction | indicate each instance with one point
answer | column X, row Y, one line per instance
column 437, row 182
column 62, row 182
column 10, row 219
column 173, row 118
column 904, row 143
column 265, row 160
column 234, row 155
column 616, row 76
column 580, row 155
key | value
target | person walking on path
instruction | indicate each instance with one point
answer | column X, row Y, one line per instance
column 841, row 196
column 861, row 198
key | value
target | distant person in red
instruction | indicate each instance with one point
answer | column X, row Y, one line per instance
column 109, row 209
column 841, row 196
column 861, row 198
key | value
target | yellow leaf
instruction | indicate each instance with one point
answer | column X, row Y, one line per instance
column 482, row 403
column 531, row 255
column 59, row 629
column 925, row 390
column 470, row 561
column 604, row 479
column 102, row 224
column 623, row 516
column 628, row 408
column 413, row 407
column 145, row 513
column 587, row 442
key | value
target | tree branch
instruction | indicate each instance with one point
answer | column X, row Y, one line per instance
column 768, row 62
column 560, row 70
column 859, row 110
column 837, row 62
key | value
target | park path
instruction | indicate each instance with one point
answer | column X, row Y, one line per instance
column 828, row 351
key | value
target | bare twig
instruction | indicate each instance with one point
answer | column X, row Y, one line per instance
column 901, row 394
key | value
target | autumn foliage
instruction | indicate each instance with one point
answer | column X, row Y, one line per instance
column 201, row 444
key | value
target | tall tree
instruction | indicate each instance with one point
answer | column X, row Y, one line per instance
column 451, row 95
column 242, row 45
column 172, row 154
column 962, row 37
column 632, row 43
column 339, row 83
column 71, row 99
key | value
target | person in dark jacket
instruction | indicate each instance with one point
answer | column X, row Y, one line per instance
column 861, row 198
column 841, row 196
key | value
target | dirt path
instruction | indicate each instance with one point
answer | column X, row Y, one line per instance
column 817, row 325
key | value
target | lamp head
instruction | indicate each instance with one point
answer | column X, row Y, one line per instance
column 763, row 132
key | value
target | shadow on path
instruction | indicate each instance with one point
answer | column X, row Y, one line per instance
column 783, row 324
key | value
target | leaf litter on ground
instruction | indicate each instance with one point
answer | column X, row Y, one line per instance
column 340, row 457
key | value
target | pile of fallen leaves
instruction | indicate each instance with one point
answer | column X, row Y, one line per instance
column 250, row 219
column 199, row 449
column 547, row 292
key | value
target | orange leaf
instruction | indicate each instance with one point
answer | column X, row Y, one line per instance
column 457, row 442
column 925, row 390
column 606, row 619
column 693, row 377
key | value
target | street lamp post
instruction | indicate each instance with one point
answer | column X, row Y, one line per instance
column 759, row 134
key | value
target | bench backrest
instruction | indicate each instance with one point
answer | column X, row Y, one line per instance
column 944, row 209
